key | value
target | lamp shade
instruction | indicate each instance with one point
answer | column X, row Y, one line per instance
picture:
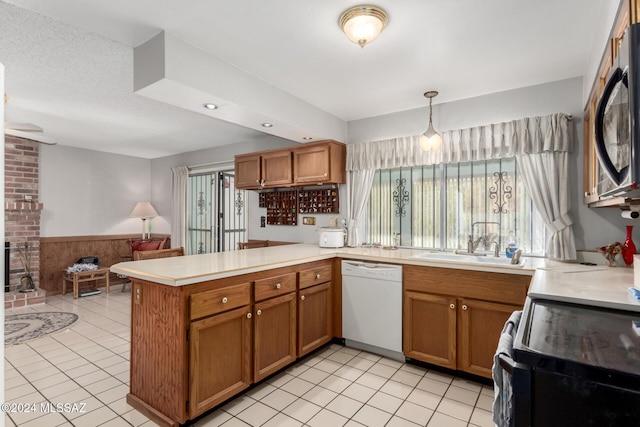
column 362, row 24
column 143, row 210
column 430, row 139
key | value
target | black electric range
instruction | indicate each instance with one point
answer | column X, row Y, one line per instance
column 583, row 363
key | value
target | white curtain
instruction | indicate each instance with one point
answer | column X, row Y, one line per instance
column 179, row 180
column 492, row 141
column 539, row 144
column 359, row 185
column 545, row 173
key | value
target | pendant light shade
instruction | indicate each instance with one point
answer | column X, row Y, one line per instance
column 362, row 24
column 430, row 140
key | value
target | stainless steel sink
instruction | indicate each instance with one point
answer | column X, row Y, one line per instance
column 466, row 258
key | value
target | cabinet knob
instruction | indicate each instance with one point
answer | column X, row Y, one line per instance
column 302, row 297
column 225, row 300
column 317, row 276
column 464, row 306
column 259, row 312
column 278, row 286
column 248, row 315
column 325, row 174
column 452, row 306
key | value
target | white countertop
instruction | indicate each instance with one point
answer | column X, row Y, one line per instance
column 599, row 286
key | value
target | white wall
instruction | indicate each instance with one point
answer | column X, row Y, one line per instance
column 88, row 192
column 592, row 227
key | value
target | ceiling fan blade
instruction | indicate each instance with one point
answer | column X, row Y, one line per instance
column 24, row 127
column 33, row 136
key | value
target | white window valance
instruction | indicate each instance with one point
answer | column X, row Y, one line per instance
column 530, row 135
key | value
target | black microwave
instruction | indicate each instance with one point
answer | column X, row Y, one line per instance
column 617, row 121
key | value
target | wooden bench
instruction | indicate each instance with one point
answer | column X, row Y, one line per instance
column 79, row 277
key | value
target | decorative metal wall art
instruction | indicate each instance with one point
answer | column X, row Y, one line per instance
column 239, row 203
column 501, row 193
column 401, row 197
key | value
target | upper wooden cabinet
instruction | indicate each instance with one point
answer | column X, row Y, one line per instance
column 264, row 170
column 322, row 163
column 248, row 170
column 276, row 169
column 315, row 163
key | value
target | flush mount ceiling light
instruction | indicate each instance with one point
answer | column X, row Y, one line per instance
column 362, row 24
column 430, row 139
column 307, row 138
column 210, row 106
column 267, row 125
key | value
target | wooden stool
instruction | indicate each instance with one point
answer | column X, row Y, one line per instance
column 84, row 276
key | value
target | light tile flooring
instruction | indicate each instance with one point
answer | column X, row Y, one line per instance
column 88, row 364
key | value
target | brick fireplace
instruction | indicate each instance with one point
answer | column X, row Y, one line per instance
column 22, row 216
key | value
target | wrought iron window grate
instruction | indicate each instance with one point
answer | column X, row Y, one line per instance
column 437, row 206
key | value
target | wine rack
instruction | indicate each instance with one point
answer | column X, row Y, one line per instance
column 319, row 201
column 282, row 207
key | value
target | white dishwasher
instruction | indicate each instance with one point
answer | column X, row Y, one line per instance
column 372, row 307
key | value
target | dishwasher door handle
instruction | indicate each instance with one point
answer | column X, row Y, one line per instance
column 372, row 266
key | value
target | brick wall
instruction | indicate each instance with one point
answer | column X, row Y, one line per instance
column 22, row 208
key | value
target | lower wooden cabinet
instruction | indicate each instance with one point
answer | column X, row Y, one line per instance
column 429, row 324
column 479, row 332
column 274, row 335
column 219, row 358
column 315, row 316
column 453, row 318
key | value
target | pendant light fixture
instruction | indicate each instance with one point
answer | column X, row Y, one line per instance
column 362, row 24
column 430, row 139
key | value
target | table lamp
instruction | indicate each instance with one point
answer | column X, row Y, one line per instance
column 144, row 211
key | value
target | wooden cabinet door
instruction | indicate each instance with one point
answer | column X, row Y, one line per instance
column 429, row 328
column 275, row 335
column 311, row 164
column 247, row 171
column 277, row 168
column 219, row 359
column 314, row 317
column 480, row 325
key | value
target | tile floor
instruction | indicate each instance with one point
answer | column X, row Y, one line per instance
column 87, row 364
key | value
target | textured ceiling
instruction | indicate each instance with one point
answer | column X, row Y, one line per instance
column 69, row 65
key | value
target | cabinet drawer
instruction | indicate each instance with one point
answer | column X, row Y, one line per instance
column 314, row 276
column 274, row 286
column 219, row 300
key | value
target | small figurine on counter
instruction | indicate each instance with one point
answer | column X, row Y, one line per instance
column 610, row 251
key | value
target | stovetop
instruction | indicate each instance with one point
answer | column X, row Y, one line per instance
column 597, row 337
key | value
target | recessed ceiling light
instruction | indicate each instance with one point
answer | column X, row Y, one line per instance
column 307, row 138
column 267, row 125
column 210, row 106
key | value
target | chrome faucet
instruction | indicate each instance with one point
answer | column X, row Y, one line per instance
column 472, row 245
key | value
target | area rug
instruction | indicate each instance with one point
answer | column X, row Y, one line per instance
column 19, row 328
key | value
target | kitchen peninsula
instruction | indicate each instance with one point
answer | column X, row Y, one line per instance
column 205, row 327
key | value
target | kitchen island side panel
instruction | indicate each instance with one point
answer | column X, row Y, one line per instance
column 158, row 348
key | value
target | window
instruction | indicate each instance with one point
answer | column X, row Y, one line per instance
column 217, row 213
column 440, row 206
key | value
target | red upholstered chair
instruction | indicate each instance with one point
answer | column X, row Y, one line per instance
column 152, row 245
column 140, row 246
